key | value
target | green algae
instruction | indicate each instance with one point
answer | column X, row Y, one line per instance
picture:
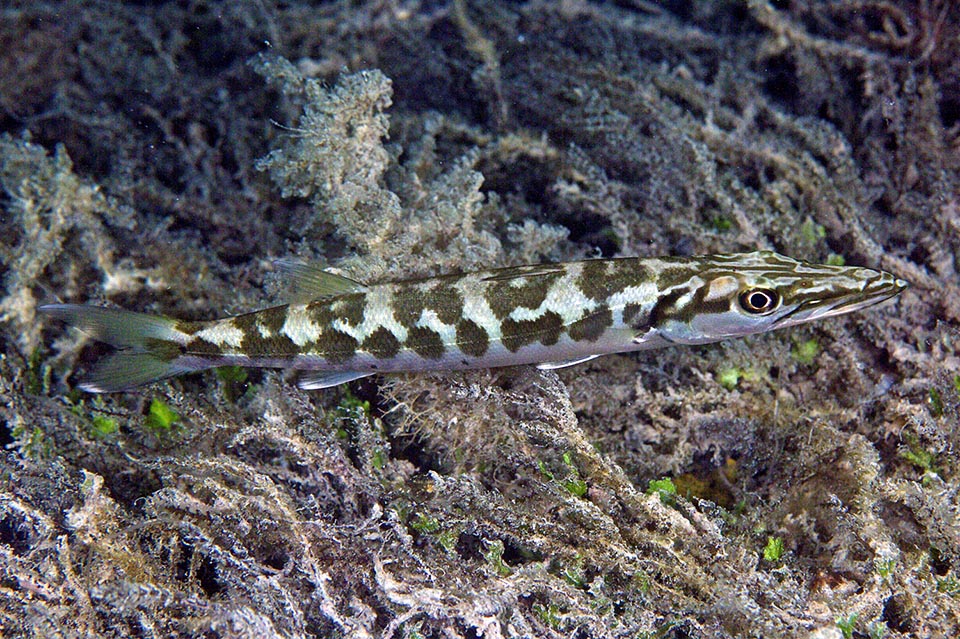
column 773, row 551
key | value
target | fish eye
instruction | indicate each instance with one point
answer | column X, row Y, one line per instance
column 759, row 300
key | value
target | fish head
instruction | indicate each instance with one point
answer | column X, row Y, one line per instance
column 746, row 293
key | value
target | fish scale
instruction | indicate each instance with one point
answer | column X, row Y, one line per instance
column 551, row 315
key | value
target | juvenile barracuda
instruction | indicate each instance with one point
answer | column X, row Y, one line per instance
column 551, row 315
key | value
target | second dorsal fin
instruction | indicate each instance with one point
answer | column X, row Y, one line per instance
column 308, row 282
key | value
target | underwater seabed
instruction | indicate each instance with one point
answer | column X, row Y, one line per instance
column 796, row 484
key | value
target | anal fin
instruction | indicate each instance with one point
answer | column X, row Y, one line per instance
column 315, row 380
column 549, row 366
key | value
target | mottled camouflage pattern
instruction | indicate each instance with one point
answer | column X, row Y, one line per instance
column 546, row 314
column 513, row 315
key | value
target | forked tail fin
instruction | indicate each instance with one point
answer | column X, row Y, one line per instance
column 149, row 345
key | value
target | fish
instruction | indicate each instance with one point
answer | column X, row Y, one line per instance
column 335, row 329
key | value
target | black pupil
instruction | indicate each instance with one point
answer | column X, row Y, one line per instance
column 758, row 301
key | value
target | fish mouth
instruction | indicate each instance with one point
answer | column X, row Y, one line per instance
column 876, row 291
column 783, row 319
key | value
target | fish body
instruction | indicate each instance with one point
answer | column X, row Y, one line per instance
column 552, row 315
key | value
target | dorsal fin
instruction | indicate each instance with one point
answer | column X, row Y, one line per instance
column 524, row 272
column 308, row 282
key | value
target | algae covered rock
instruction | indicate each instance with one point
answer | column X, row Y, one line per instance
column 800, row 484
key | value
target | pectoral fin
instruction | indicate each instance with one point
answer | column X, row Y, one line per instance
column 315, row 380
column 549, row 366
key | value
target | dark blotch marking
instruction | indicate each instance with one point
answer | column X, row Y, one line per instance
column 408, row 305
column 277, row 345
column 591, row 326
column 447, row 302
column 699, row 305
column 665, row 308
column 335, row 346
column 272, row 319
column 201, row 347
column 545, row 329
column 672, row 276
column 321, row 313
column 425, row 342
column 602, row 278
column 190, row 328
column 254, row 344
column 247, row 323
column 472, row 339
column 504, row 295
column 409, row 302
column 349, row 308
column 381, row 343
column 630, row 313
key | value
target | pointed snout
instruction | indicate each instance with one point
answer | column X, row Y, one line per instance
column 881, row 283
